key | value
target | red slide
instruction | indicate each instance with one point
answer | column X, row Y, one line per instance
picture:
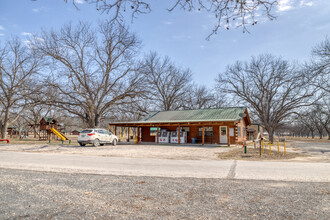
column 5, row 140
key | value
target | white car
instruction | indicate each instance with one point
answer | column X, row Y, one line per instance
column 97, row 137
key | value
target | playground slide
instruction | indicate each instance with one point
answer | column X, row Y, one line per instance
column 59, row 134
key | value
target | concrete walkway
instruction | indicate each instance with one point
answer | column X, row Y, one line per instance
column 226, row 169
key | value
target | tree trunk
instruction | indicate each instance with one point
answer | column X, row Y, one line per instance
column 4, row 129
column 271, row 134
column 91, row 121
column 5, row 125
column 34, row 128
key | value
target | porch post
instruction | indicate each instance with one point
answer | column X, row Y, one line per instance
column 138, row 134
column 128, row 129
column 228, row 136
column 115, row 130
column 179, row 135
column 157, row 141
column 203, row 135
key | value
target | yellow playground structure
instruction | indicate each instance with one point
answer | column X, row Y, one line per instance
column 63, row 138
column 49, row 126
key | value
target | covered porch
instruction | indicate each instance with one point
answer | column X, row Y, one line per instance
column 206, row 126
column 195, row 133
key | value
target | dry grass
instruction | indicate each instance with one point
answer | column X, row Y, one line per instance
column 305, row 139
column 34, row 141
column 254, row 154
column 31, row 140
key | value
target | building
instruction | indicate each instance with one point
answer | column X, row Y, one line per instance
column 12, row 131
column 253, row 130
column 75, row 132
column 212, row 126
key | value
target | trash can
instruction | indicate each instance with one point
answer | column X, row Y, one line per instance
column 193, row 140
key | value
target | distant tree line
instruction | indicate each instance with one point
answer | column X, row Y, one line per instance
column 92, row 75
column 279, row 93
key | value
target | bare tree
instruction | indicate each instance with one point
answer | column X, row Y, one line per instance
column 167, row 84
column 317, row 72
column 198, row 97
column 321, row 116
column 237, row 13
column 319, row 69
column 306, row 119
column 34, row 114
column 18, row 67
column 94, row 69
column 272, row 87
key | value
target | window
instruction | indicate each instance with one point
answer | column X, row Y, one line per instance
column 208, row 131
column 223, row 131
column 153, row 131
column 244, row 132
column 239, row 131
column 100, row 131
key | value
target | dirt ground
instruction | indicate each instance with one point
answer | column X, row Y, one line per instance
column 180, row 152
column 254, row 154
column 309, row 139
column 162, row 151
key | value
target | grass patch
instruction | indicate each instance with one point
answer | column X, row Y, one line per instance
column 254, row 154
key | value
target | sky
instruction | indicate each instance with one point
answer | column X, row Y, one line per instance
column 300, row 25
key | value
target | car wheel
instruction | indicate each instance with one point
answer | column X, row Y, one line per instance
column 114, row 142
column 96, row 143
column 82, row 144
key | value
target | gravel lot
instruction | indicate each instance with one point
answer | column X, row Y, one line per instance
column 185, row 152
column 46, row 195
column 303, row 151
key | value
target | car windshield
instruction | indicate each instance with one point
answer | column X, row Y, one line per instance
column 86, row 131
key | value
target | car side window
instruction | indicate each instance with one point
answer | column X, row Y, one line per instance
column 99, row 131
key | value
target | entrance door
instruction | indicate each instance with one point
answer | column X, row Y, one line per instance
column 223, row 135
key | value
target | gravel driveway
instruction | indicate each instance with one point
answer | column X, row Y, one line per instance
column 180, row 152
column 318, row 150
column 43, row 195
column 314, row 148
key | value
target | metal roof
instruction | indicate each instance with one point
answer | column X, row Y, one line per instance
column 200, row 115
column 48, row 119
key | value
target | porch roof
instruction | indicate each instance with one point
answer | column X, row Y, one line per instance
column 186, row 116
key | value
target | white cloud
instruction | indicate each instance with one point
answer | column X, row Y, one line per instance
column 306, row 3
column 284, row 5
column 202, row 46
column 79, row 1
column 40, row 9
column 1, row 28
column 26, row 34
column 28, row 43
column 2, row 34
column 168, row 22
